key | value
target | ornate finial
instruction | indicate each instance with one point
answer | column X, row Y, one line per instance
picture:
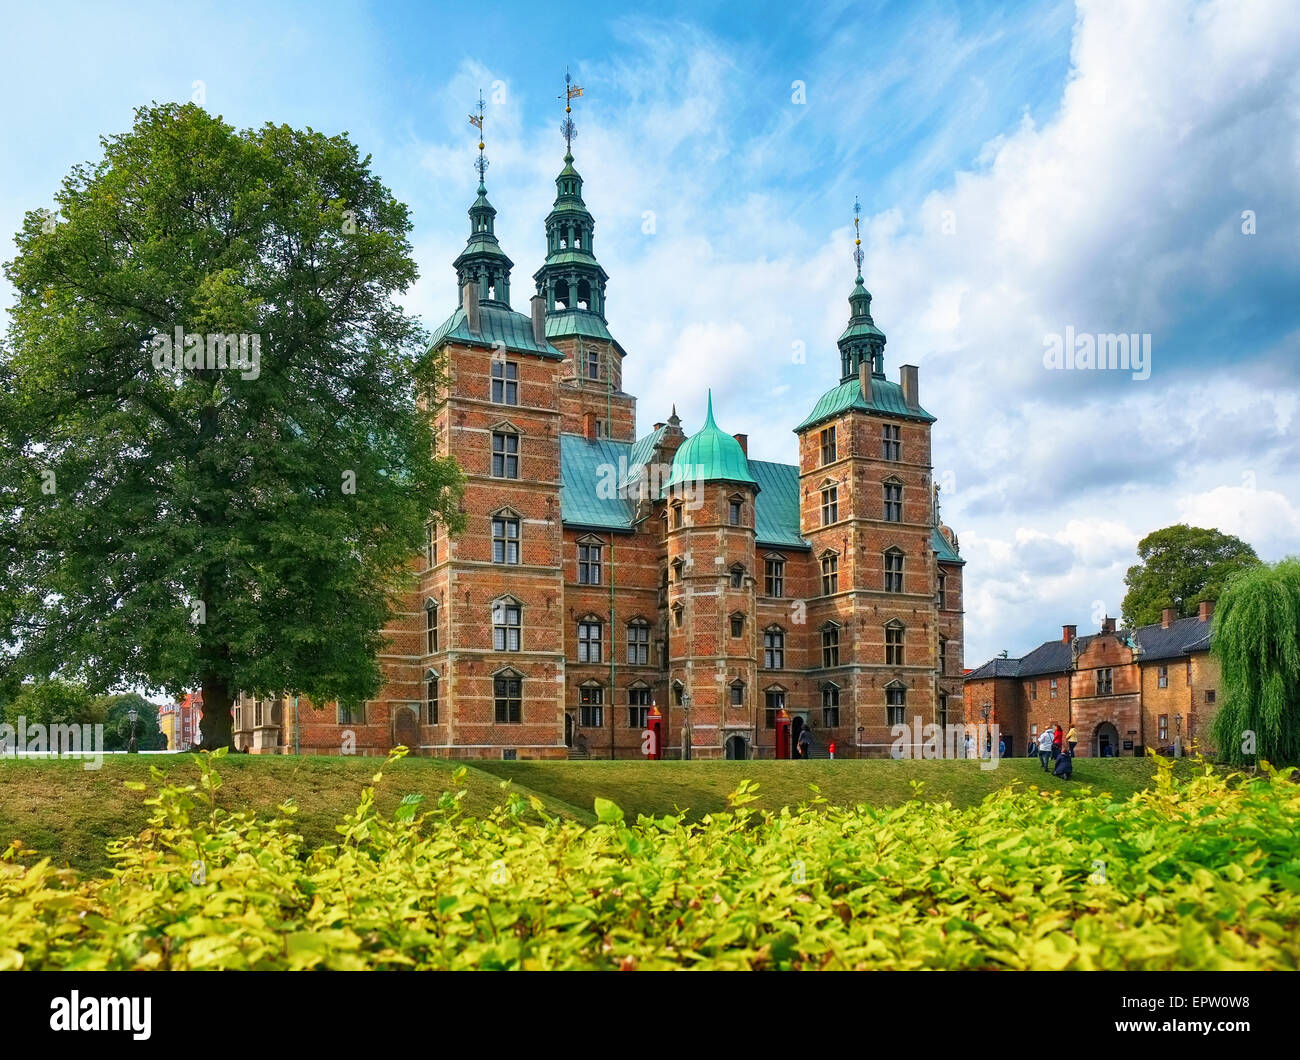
column 571, row 92
column 476, row 120
column 857, row 233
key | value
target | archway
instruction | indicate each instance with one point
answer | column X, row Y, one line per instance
column 406, row 726
column 1105, row 741
column 737, row 747
column 568, row 730
column 797, row 724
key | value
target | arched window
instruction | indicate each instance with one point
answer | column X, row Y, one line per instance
column 893, row 500
column 591, row 705
column 589, row 635
column 830, row 705
column 508, row 696
column 830, row 645
column 830, row 573
column 894, row 643
column 737, row 693
column 774, row 648
column 896, row 703
column 737, row 575
column 505, row 536
column 507, row 624
column 430, row 626
column 893, row 570
column 737, row 624
column 431, row 697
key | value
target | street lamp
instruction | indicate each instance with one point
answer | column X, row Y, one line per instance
column 985, row 712
column 1178, row 738
column 132, row 716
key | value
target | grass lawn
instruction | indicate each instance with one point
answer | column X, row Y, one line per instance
column 59, row 809
column 702, row 787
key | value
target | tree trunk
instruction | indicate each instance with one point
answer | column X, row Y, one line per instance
column 216, row 724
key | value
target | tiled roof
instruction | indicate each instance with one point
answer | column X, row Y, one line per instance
column 496, row 324
column 1184, row 635
column 886, row 397
column 777, row 507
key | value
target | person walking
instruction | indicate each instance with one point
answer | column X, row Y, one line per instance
column 1071, row 738
column 1045, row 748
column 805, row 742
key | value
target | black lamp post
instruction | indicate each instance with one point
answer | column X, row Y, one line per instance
column 132, row 716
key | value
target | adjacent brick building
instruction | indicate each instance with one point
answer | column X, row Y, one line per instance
column 602, row 573
column 1124, row 690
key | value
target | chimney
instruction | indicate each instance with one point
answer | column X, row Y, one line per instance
column 471, row 306
column 538, row 304
column 1207, row 609
column 1167, row 617
column 909, row 377
column 743, row 439
column 589, row 426
column 1068, row 633
column 864, row 379
column 1108, row 625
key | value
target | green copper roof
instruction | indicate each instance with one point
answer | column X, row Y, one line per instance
column 566, row 323
column 886, row 398
column 776, row 515
column 496, row 324
column 943, row 549
column 711, row 455
column 590, row 498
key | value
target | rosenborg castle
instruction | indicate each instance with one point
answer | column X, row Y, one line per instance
column 605, row 571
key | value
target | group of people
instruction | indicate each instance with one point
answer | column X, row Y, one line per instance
column 1056, row 750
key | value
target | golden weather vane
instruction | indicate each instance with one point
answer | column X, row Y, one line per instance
column 857, row 236
column 571, row 92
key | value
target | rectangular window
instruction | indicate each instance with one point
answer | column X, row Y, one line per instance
column 430, row 630
column 589, row 564
column 638, row 644
column 351, row 715
column 774, row 577
column 508, row 693
column 831, row 646
column 773, row 701
column 830, row 505
column 738, row 695
column 734, row 511
column 593, row 365
column 1105, row 681
column 1164, row 727
column 589, row 642
column 895, row 705
column 505, row 540
column 828, row 445
column 1162, row 677
column 830, row 575
column 505, row 627
column 257, row 713
column 830, row 707
column 1051, row 688
column 638, row 708
column 505, row 382
column 893, row 572
column 591, row 710
column 1189, row 673
column 677, row 516
column 1209, row 695
column 943, row 657
column 430, row 546
column 737, row 625
column 773, row 649
column 891, row 446
column 1033, row 689
column 431, row 701
column 505, row 455
column 941, row 598
column 893, row 645
column 893, row 502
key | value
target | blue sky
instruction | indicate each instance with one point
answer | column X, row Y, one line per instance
column 1023, row 169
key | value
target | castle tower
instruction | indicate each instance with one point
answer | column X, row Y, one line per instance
column 712, row 638
column 491, row 658
column 572, row 283
column 867, row 507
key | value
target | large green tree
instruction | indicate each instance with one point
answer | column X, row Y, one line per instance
column 176, row 525
column 1181, row 566
column 1257, row 644
column 54, row 702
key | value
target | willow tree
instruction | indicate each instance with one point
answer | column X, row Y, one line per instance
column 214, row 470
column 1257, row 645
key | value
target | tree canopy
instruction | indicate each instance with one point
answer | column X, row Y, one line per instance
column 1181, row 566
column 1257, row 643
column 214, row 464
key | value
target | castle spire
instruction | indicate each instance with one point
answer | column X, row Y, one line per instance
column 571, row 280
column 483, row 261
column 862, row 340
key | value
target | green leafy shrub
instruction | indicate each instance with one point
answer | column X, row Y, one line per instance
column 1201, row 873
